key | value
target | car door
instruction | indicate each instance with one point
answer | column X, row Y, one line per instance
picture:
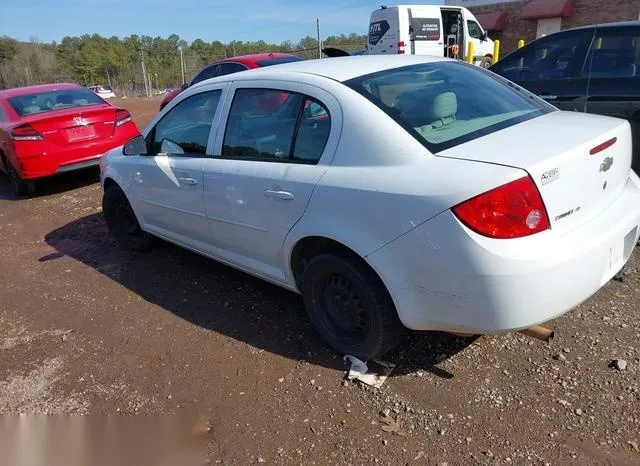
column 166, row 185
column 425, row 33
column 547, row 67
column 277, row 141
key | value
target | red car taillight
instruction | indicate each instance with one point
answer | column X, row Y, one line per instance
column 512, row 210
column 122, row 117
column 25, row 132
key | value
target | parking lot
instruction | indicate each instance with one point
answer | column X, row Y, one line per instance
column 86, row 327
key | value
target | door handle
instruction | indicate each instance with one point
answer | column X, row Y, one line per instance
column 188, row 181
column 277, row 194
column 549, row 97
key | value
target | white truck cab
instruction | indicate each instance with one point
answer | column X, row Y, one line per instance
column 428, row 30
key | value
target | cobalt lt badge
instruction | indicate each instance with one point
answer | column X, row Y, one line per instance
column 606, row 164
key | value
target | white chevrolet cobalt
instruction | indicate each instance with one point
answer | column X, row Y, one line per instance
column 389, row 191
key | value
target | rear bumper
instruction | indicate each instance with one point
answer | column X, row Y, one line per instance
column 443, row 276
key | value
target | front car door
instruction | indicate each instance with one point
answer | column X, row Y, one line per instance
column 166, row 184
column 548, row 66
column 275, row 143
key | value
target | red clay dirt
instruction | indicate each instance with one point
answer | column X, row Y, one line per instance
column 86, row 327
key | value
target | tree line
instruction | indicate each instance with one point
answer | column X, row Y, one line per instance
column 93, row 59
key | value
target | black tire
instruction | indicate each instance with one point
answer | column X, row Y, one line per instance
column 486, row 62
column 122, row 221
column 349, row 306
column 20, row 187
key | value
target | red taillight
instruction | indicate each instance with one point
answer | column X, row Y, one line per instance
column 25, row 132
column 512, row 210
column 603, row 146
column 401, row 46
column 122, row 117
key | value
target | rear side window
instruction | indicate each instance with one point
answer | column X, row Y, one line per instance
column 185, row 129
column 230, row 68
column 43, row 102
column 549, row 58
column 444, row 104
column 210, row 71
column 274, row 125
column 614, row 55
column 277, row 61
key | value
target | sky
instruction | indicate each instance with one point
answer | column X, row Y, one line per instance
column 271, row 20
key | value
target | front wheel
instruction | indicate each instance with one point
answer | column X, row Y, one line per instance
column 349, row 306
column 122, row 221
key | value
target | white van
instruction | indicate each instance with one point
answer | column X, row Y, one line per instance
column 428, row 30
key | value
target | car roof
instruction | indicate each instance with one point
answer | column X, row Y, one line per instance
column 18, row 91
column 619, row 24
column 345, row 68
column 251, row 59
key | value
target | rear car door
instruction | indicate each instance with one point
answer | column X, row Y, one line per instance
column 425, row 33
column 548, row 66
column 277, row 142
column 166, row 184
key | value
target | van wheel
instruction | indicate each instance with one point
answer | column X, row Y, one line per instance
column 122, row 221
column 20, row 187
column 486, row 62
column 349, row 306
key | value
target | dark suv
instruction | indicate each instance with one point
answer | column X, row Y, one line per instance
column 594, row 69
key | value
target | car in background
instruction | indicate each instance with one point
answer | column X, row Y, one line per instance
column 336, row 52
column 390, row 191
column 232, row 65
column 106, row 92
column 56, row 128
column 593, row 69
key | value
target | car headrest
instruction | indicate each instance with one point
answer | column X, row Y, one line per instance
column 444, row 105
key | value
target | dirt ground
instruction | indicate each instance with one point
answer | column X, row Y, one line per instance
column 86, row 327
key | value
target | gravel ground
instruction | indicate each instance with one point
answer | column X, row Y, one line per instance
column 88, row 328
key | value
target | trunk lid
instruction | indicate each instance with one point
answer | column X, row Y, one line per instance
column 579, row 162
column 76, row 125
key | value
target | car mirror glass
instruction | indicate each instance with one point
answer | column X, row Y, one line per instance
column 135, row 146
column 169, row 147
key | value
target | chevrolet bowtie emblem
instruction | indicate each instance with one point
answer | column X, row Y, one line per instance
column 80, row 121
column 606, row 164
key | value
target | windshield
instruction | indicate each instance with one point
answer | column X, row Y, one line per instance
column 277, row 61
column 42, row 102
column 448, row 103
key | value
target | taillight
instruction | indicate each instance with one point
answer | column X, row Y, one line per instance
column 512, row 210
column 605, row 145
column 122, row 117
column 25, row 132
column 401, row 46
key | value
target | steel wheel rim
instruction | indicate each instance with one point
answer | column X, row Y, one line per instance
column 343, row 309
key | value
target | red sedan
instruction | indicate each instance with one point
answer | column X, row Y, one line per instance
column 55, row 128
column 232, row 65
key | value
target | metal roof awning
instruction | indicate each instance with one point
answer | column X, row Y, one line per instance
column 541, row 9
column 493, row 21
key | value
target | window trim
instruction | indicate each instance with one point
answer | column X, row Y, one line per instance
column 291, row 155
column 150, row 136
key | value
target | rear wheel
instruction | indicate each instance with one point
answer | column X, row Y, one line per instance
column 20, row 187
column 349, row 306
column 486, row 62
column 122, row 221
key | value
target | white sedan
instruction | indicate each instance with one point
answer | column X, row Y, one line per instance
column 390, row 192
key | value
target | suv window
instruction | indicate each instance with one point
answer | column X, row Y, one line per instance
column 544, row 59
column 185, row 129
column 474, row 29
column 209, row 72
column 614, row 55
column 275, row 125
column 230, row 68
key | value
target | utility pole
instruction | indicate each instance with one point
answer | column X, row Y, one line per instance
column 157, row 85
column 108, row 77
column 181, row 65
column 319, row 43
column 233, row 45
column 144, row 73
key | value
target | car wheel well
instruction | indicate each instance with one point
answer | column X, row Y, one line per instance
column 108, row 182
column 311, row 246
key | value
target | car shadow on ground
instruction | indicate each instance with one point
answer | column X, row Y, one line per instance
column 52, row 185
column 222, row 299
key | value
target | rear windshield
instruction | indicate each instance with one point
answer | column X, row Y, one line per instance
column 277, row 61
column 42, row 102
column 448, row 103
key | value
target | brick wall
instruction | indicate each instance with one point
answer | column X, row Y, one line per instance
column 585, row 12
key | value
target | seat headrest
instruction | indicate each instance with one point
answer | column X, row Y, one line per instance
column 444, row 105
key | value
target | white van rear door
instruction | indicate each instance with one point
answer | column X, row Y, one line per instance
column 384, row 32
column 426, row 35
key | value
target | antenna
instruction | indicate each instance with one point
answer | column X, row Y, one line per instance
column 590, row 55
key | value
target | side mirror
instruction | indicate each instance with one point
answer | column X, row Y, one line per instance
column 135, row 146
column 484, row 36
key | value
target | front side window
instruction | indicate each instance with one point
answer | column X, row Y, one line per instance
column 275, row 125
column 43, row 102
column 474, row 29
column 613, row 55
column 445, row 104
column 209, row 72
column 185, row 129
column 545, row 59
